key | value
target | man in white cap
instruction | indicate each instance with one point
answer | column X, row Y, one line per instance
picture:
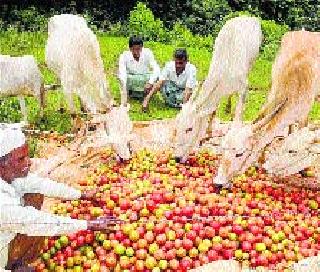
column 15, row 182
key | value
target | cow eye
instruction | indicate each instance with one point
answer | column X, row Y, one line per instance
column 239, row 155
column 189, row 129
column 92, row 128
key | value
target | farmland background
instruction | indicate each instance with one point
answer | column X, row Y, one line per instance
column 164, row 25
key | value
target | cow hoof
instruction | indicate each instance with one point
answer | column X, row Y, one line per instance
column 177, row 159
column 92, row 128
column 62, row 110
column 220, row 187
column 145, row 109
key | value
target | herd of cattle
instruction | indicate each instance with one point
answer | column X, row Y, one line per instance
column 72, row 52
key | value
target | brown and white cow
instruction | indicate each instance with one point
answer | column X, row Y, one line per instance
column 295, row 84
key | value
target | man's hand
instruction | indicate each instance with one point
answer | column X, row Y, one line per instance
column 24, row 269
column 124, row 95
column 88, row 195
column 148, row 88
column 186, row 95
column 155, row 88
column 104, row 223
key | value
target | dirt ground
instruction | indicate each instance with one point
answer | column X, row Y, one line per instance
column 78, row 167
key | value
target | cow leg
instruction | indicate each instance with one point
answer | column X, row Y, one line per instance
column 41, row 99
column 291, row 129
column 72, row 108
column 69, row 90
column 240, row 106
column 229, row 105
column 304, row 122
column 83, row 100
column 23, row 108
column 301, row 124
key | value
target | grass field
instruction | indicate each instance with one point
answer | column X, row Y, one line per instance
column 17, row 44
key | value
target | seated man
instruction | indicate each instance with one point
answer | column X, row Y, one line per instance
column 177, row 81
column 21, row 197
column 135, row 74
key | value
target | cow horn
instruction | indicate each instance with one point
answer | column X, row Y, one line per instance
column 268, row 117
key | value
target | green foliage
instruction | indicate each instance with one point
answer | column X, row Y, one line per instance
column 143, row 23
column 30, row 19
column 118, row 30
column 295, row 13
column 181, row 36
column 201, row 17
column 272, row 33
column 205, row 14
column 32, row 144
column 299, row 16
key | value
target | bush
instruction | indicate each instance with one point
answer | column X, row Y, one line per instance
column 205, row 14
column 272, row 33
column 29, row 19
column 143, row 23
column 181, row 36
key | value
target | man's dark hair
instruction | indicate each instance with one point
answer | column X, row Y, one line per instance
column 181, row 53
column 3, row 159
column 135, row 41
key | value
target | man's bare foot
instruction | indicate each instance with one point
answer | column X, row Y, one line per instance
column 145, row 108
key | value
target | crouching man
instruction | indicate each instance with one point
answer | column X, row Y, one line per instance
column 21, row 198
column 138, row 70
column 177, row 81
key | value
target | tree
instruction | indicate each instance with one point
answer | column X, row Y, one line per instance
column 205, row 15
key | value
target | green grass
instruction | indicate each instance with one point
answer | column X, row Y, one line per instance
column 17, row 44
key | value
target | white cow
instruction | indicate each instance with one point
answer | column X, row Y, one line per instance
column 72, row 52
column 296, row 152
column 295, row 84
column 20, row 76
column 236, row 48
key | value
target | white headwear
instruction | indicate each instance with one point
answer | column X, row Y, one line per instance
column 11, row 137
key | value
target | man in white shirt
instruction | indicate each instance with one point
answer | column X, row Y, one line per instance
column 15, row 182
column 177, row 81
column 138, row 70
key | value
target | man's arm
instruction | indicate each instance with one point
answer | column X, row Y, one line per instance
column 190, row 84
column 35, row 184
column 156, row 87
column 30, row 221
column 186, row 94
column 155, row 69
column 123, row 79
